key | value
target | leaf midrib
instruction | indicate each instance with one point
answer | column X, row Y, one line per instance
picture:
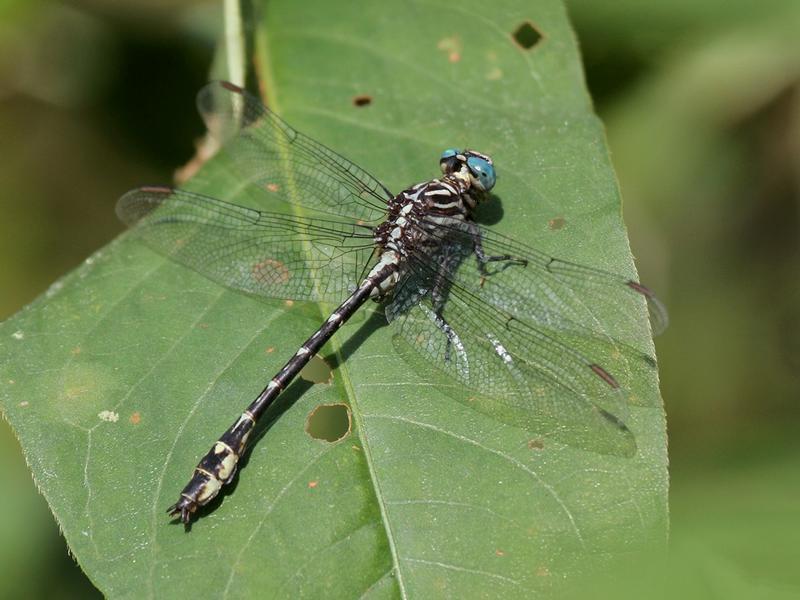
column 264, row 68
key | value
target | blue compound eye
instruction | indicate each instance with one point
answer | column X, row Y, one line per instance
column 482, row 171
column 449, row 153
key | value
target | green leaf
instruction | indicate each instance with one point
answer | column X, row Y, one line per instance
column 121, row 376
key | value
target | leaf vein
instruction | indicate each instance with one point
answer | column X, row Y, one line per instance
column 547, row 487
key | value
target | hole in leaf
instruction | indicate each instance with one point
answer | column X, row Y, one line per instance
column 317, row 371
column 526, row 35
column 362, row 100
column 328, row 422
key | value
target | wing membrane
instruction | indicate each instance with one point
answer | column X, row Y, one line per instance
column 262, row 253
column 282, row 163
column 523, row 338
column 516, row 372
column 556, row 293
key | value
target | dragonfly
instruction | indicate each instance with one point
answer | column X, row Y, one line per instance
column 508, row 323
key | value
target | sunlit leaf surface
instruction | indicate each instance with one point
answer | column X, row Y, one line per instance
column 122, row 375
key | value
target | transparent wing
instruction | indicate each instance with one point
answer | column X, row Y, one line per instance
column 522, row 336
column 520, row 374
column 262, row 253
column 557, row 293
column 282, row 163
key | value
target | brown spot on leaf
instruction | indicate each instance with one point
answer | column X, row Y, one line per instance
column 272, row 187
column 270, row 350
column 556, row 223
column 362, row 100
column 451, row 46
column 271, row 272
column 135, row 418
column 313, row 484
column 499, row 552
column 543, row 571
column 535, row 444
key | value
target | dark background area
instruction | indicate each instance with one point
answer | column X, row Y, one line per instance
column 702, row 106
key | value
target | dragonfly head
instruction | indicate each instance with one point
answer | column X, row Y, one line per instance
column 473, row 167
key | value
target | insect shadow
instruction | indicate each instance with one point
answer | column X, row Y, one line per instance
column 288, row 398
column 490, row 211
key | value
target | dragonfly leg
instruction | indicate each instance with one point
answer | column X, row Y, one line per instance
column 450, row 334
column 438, row 298
column 484, row 259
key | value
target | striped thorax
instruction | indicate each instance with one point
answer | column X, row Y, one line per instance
column 415, row 214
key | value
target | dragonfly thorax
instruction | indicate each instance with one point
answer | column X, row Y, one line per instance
column 416, row 219
column 415, row 214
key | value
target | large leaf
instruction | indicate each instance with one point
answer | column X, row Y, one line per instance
column 121, row 376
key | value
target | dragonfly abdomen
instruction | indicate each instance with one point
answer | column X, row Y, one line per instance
column 218, row 466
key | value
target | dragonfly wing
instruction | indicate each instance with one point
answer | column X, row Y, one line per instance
column 262, row 253
column 522, row 337
column 282, row 163
column 515, row 372
column 554, row 292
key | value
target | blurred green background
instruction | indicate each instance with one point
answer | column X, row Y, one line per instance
column 701, row 100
